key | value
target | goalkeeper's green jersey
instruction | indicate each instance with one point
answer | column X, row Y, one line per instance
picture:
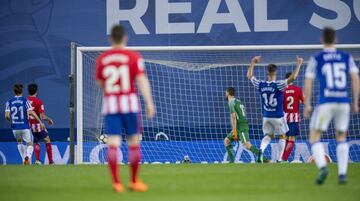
column 238, row 108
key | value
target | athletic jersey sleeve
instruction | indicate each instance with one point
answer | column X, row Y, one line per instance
column 41, row 107
column 99, row 67
column 281, row 85
column 232, row 107
column 301, row 95
column 28, row 105
column 7, row 106
column 352, row 66
column 139, row 65
column 311, row 68
column 255, row 82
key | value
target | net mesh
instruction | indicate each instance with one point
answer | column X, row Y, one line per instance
column 192, row 116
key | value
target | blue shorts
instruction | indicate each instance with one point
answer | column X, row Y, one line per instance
column 115, row 123
column 294, row 129
column 39, row 136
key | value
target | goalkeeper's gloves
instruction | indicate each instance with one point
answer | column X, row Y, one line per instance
column 234, row 134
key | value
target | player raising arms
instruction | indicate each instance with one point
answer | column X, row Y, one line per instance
column 332, row 68
column 271, row 92
column 17, row 111
column 293, row 97
column 38, row 132
column 116, row 73
column 239, row 125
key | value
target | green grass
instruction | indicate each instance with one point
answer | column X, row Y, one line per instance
column 267, row 182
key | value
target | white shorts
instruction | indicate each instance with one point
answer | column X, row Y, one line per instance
column 276, row 126
column 24, row 134
column 325, row 113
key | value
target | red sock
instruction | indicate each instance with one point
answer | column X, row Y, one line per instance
column 112, row 163
column 288, row 149
column 37, row 151
column 49, row 152
column 134, row 157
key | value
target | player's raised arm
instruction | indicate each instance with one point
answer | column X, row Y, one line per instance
column 254, row 61
column 295, row 73
column 355, row 85
column 145, row 89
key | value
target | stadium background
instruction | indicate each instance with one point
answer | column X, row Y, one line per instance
column 36, row 35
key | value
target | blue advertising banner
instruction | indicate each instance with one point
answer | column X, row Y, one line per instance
column 209, row 151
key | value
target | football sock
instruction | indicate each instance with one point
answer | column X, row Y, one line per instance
column 21, row 150
column 230, row 153
column 37, row 151
column 134, row 159
column 281, row 145
column 29, row 150
column 319, row 154
column 342, row 154
column 265, row 142
column 288, row 149
column 254, row 150
column 49, row 152
column 112, row 163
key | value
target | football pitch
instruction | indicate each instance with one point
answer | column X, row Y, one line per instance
column 260, row 182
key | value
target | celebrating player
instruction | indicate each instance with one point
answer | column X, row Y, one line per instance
column 271, row 91
column 293, row 97
column 239, row 125
column 116, row 73
column 17, row 111
column 39, row 132
column 332, row 68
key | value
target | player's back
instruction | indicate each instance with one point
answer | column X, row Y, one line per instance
column 332, row 68
column 293, row 97
column 236, row 106
column 18, row 107
column 272, row 98
column 118, row 69
column 38, row 108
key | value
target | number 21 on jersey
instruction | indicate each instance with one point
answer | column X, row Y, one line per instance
column 117, row 78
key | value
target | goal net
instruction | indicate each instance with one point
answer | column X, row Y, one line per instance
column 192, row 119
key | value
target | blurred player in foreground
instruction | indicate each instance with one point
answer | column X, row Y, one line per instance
column 332, row 68
column 38, row 132
column 239, row 125
column 17, row 111
column 293, row 97
column 271, row 91
column 116, row 73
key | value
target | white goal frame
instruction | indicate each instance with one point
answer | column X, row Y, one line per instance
column 79, row 71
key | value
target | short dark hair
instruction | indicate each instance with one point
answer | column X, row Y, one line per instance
column 288, row 75
column 18, row 89
column 271, row 68
column 32, row 89
column 118, row 33
column 231, row 91
column 329, row 35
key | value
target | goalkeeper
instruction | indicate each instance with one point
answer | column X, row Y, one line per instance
column 240, row 126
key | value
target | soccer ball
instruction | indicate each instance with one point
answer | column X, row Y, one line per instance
column 103, row 138
column 186, row 159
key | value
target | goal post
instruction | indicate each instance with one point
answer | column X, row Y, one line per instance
column 192, row 119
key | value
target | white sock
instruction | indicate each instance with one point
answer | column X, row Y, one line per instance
column 319, row 154
column 342, row 154
column 281, row 144
column 265, row 142
column 21, row 150
column 29, row 151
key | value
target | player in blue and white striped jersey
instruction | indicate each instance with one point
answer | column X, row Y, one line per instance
column 271, row 91
column 332, row 68
column 17, row 111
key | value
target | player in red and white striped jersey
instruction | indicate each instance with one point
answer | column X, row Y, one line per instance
column 293, row 97
column 117, row 70
column 38, row 132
